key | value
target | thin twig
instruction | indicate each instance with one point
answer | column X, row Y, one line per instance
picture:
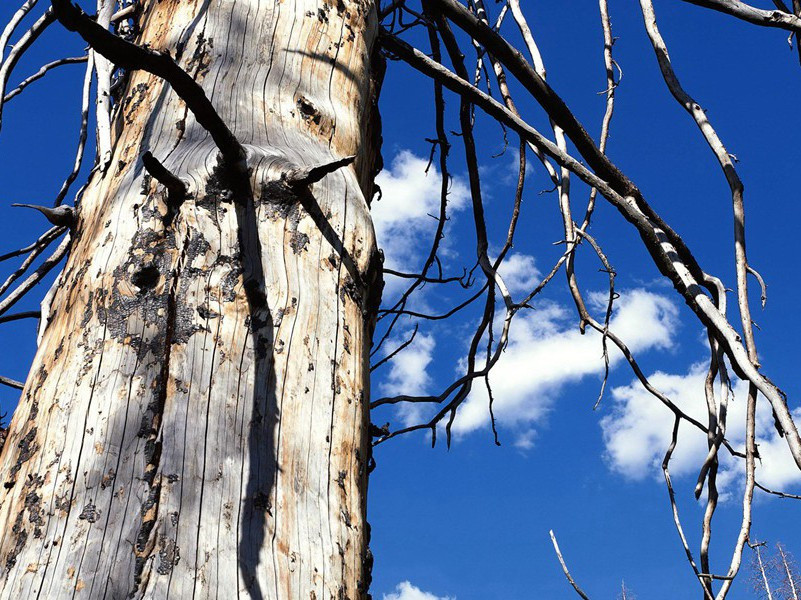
column 565, row 570
column 44, row 70
column 36, row 276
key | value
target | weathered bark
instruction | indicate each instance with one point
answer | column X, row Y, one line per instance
column 184, row 433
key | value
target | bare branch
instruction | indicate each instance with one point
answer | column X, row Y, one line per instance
column 60, row 216
column 29, row 260
column 31, row 314
column 776, row 493
column 36, row 276
column 702, row 578
column 132, row 57
column 82, row 133
column 17, row 385
column 12, row 25
column 663, row 244
column 566, row 571
column 176, row 189
column 45, row 238
column 790, row 574
column 30, row 36
column 395, row 352
column 757, row 16
column 44, row 70
column 303, row 176
column 611, row 86
column 757, row 548
column 104, row 69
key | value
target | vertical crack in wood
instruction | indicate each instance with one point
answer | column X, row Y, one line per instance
column 146, row 538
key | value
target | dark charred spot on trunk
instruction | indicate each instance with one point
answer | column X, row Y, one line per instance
column 229, row 282
column 33, row 501
column 146, row 428
column 367, row 569
column 351, row 290
column 298, row 242
column 201, row 57
column 147, row 181
column 196, row 245
column 108, row 479
column 207, row 313
column 147, row 261
column 148, row 519
column 89, row 513
column 62, row 503
column 278, row 200
column 143, row 546
column 322, row 13
column 146, row 278
column 297, row 239
column 169, row 555
column 308, row 111
column 27, row 448
column 262, row 502
column 149, row 211
column 88, row 312
column 132, row 102
column 360, row 461
column 374, row 279
column 21, row 536
column 216, row 190
column 342, row 592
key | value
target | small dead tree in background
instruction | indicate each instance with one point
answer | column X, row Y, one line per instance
column 774, row 575
column 220, row 288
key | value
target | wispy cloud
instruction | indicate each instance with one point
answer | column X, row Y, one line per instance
column 546, row 351
column 403, row 216
column 408, row 373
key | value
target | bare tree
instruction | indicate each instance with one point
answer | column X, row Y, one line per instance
column 625, row 593
column 775, row 575
column 763, row 573
column 790, row 585
column 196, row 418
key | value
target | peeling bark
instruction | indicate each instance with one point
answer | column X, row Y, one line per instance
column 195, row 420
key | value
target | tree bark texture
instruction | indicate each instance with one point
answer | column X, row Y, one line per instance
column 195, row 420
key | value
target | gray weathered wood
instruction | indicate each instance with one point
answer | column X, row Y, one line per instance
column 175, row 437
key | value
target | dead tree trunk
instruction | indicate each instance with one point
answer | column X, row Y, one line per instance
column 182, row 433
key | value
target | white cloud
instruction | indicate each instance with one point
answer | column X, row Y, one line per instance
column 408, row 373
column 407, row 591
column 519, row 273
column 638, row 432
column 525, row 439
column 546, row 350
column 401, row 216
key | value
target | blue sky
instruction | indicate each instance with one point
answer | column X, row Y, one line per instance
column 472, row 522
